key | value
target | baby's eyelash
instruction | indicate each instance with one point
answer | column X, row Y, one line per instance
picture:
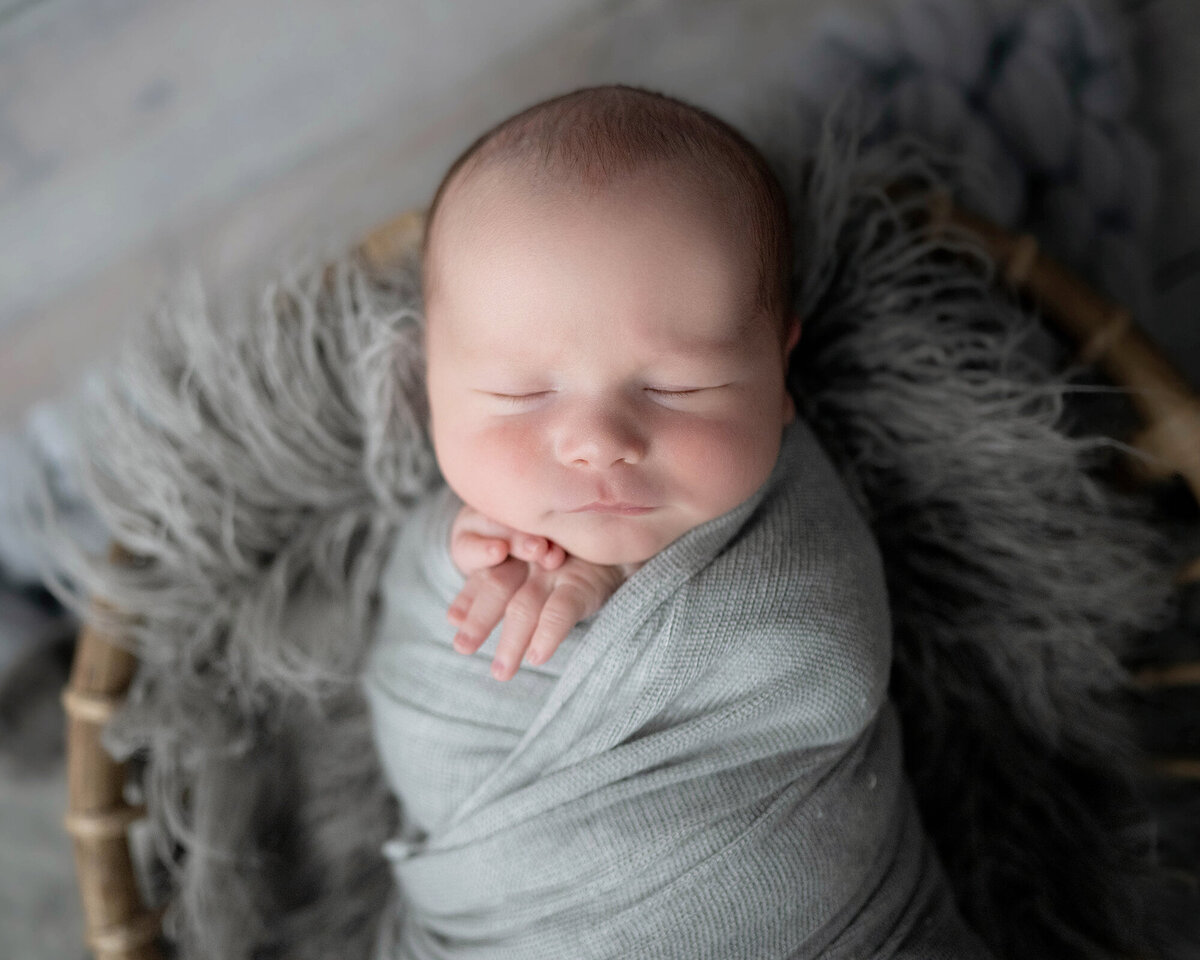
column 673, row 393
column 516, row 398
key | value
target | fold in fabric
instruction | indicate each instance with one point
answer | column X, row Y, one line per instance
column 716, row 771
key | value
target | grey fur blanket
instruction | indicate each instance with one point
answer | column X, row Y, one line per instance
column 258, row 470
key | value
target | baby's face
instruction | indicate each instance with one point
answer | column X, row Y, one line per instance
column 599, row 370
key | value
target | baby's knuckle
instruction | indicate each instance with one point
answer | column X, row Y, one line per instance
column 522, row 607
column 557, row 618
column 575, row 592
column 493, row 579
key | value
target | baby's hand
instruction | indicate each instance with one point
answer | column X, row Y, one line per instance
column 529, row 582
column 539, row 607
column 478, row 542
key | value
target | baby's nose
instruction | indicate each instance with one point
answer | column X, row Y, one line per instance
column 600, row 437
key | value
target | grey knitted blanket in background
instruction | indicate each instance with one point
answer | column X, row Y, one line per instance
column 259, row 470
column 1038, row 98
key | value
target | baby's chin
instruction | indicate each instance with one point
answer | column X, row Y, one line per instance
column 612, row 548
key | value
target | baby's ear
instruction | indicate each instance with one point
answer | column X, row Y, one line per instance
column 794, row 327
column 788, row 409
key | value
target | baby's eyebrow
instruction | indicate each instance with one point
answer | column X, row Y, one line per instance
column 698, row 343
column 690, row 345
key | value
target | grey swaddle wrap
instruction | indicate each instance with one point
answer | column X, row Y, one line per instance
column 714, row 773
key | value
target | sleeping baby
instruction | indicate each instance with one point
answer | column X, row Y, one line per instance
column 630, row 678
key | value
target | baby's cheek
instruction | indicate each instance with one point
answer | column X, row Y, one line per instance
column 511, row 450
column 722, row 462
column 493, row 468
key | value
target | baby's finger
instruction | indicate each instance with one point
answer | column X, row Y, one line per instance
column 529, row 547
column 562, row 610
column 472, row 551
column 520, row 619
column 533, row 549
column 461, row 604
column 554, row 557
column 495, row 587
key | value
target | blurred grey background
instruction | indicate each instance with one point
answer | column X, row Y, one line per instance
column 141, row 138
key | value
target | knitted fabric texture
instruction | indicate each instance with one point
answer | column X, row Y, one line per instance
column 714, row 773
column 1036, row 101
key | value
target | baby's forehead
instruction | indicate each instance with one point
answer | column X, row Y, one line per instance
column 489, row 201
column 676, row 222
column 516, row 185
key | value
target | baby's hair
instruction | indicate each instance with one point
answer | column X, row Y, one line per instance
column 593, row 137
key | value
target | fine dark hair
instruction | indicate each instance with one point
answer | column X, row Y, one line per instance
column 596, row 136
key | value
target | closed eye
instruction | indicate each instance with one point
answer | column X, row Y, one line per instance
column 517, row 398
column 659, row 392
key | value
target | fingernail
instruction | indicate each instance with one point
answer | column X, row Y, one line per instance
column 461, row 641
column 498, row 669
column 534, row 656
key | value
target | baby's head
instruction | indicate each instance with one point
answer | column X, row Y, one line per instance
column 607, row 322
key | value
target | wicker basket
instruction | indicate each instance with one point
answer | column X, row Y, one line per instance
column 120, row 927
